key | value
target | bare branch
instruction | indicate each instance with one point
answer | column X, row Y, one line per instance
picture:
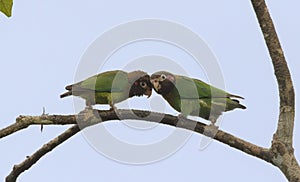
column 92, row 117
column 285, row 127
column 282, row 145
column 191, row 125
column 27, row 163
column 25, row 121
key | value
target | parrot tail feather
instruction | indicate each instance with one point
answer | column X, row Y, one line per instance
column 66, row 94
column 69, row 87
column 235, row 96
column 242, row 106
column 239, row 105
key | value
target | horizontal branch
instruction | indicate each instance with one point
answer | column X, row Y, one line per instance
column 23, row 122
column 29, row 161
column 196, row 126
column 92, row 117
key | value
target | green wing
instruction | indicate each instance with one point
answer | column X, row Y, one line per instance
column 189, row 88
column 110, row 81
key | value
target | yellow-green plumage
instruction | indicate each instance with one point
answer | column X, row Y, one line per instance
column 194, row 97
column 111, row 87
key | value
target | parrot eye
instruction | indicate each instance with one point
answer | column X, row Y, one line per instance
column 143, row 84
column 163, row 77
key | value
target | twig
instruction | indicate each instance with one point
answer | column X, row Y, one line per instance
column 27, row 163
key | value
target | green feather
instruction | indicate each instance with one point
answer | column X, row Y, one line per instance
column 110, row 87
column 193, row 88
column 195, row 97
column 110, row 81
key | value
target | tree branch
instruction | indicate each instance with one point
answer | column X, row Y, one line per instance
column 27, row 163
column 91, row 117
column 23, row 122
column 282, row 144
column 285, row 127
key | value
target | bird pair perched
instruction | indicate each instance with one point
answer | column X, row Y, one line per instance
column 186, row 95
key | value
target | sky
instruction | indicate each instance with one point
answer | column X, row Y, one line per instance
column 45, row 43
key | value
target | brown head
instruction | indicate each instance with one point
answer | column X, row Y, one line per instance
column 163, row 82
column 140, row 84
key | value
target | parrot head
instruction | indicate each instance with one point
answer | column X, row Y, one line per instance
column 140, row 84
column 163, row 82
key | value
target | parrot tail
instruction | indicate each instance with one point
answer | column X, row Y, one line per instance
column 69, row 88
column 235, row 96
column 66, row 94
column 239, row 105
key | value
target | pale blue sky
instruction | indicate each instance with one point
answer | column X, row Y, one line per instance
column 41, row 47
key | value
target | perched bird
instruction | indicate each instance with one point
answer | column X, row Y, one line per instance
column 194, row 97
column 111, row 87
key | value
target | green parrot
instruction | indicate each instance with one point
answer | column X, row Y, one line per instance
column 111, row 87
column 193, row 97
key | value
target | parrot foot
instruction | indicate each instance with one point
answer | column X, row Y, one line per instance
column 181, row 116
column 210, row 130
column 181, row 119
column 86, row 116
column 86, row 110
column 113, row 108
column 88, row 107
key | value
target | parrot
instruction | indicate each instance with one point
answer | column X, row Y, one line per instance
column 194, row 97
column 111, row 87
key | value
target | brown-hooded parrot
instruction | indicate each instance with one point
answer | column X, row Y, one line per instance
column 193, row 97
column 111, row 87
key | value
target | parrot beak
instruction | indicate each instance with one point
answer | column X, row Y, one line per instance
column 148, row 92
column 155, row 83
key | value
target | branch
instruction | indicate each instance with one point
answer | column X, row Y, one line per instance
column 285, row 127
column 282, row 144
column 23, row 122
column 26, row 164
column 91, row 117
column 188, row 124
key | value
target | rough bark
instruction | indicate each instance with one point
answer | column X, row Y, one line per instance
column 91, row 117
column 282, row 144
column 30, row 160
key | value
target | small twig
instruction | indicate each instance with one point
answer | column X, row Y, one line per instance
column 27, row 163
column 43, row 114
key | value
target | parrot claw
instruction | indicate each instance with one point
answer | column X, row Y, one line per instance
column 113, row 108
column 86, row 116
column 88, row 107
column 211, row 130
column 181, row 116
